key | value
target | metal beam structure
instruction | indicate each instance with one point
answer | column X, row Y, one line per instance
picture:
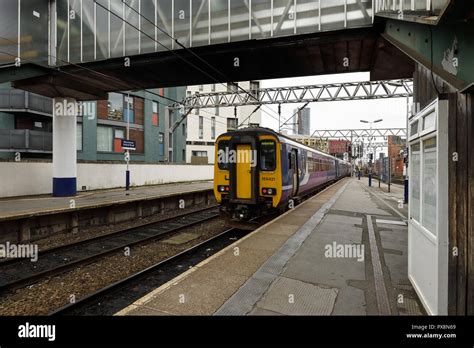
column 364, row 90
column 355, row 134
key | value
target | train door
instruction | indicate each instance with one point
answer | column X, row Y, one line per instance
column 294, row 166
column 244, row 171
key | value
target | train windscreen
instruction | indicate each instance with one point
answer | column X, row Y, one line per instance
column 267, row 155
column 223, row 148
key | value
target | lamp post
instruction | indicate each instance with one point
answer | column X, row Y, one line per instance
column 369, row 147
column 127, row 155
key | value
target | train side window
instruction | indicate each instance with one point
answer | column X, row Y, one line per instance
column 222, row 152
column 267, row 155
column 289, row 160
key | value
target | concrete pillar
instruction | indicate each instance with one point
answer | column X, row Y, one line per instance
column 64, row 147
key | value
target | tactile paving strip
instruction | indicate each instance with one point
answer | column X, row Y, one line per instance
column 293, row 297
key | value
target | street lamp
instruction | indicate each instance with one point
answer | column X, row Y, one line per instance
column 370, row 145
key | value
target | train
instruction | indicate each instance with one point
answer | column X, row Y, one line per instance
column 258, row 171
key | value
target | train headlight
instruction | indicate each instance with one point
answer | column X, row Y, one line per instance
column 268, row 191
column 223, row 189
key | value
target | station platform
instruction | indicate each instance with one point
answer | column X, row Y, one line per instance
column 25, row 207
column 342, row 252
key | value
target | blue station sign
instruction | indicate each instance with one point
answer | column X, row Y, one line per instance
column 128, row 144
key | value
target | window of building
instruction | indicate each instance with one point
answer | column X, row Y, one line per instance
column 170, row 156
column 199, row 153
column 201, row 127
column 183, row 155
column 213, row 127
column 231, row 123
column 217, row 107
column 267, row 155
column 79, row 136
column 115, row 106
column 170, row 119
column 196, row 110
column 161, row 145
column 119, row 134
column 232, row 87
column 104, row 139
column 188, row 93
column 201, row 88
column 170, row 139
column 254, row 87
column 129, row 113
column 183, row 128
column 154, row 117
column 213, row 87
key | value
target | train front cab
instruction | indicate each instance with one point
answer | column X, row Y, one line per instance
column 247, row 174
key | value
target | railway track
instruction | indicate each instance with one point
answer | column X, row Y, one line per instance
column 20, row 273
column 113, row 298
column 117, row 296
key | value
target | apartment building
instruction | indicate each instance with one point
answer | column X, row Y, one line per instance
column 205, row 125
column 26, row 126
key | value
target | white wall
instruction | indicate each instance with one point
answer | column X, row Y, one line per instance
column 23, row 178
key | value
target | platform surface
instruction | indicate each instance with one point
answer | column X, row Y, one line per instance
column 294, row 265
column 14, row 208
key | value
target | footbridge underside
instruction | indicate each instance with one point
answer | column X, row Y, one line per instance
column 349, row 50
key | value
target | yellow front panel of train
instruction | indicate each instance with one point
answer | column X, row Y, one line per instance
column 244, row 172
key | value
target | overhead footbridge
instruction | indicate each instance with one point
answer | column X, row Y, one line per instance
column 84, row 49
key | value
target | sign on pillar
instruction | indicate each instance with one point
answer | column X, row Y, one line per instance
column 64, row 147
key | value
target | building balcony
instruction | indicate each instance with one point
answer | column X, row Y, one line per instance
column 17, row 101
column 25, row 140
